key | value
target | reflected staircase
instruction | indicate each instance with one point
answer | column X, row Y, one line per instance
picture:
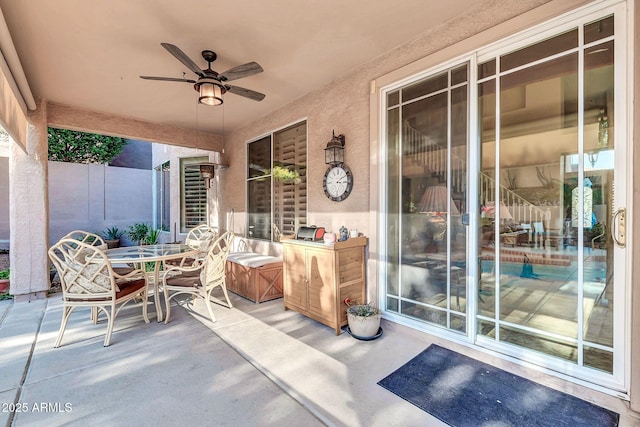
column 424, row 156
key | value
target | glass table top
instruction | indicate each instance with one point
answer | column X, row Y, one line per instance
column 150, row 252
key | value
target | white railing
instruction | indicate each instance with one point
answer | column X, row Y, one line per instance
column 419, row 149
column 520, row 209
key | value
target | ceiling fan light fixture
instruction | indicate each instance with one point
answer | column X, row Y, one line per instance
column 210, row 91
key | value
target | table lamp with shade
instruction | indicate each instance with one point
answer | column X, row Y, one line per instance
column 436, row 201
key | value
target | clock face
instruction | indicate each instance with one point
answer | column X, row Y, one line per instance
column 338, row 182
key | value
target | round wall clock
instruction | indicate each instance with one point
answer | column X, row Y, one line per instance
column 338, row 182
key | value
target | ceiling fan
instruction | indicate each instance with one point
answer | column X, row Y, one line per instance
column 210, row 84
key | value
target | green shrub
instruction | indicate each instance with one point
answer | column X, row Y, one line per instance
column 81, row 147
column 152, row 236
column 138, row 232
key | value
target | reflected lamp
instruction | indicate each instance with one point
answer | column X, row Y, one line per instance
column 436, row 200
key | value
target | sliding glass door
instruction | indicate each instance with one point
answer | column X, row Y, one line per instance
column 547, row 116
column 540, row 275
column 427, row 196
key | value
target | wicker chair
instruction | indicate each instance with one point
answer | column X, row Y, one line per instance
column 88, row 280
column 199, row 237
column 200, row 278
column 88, row 238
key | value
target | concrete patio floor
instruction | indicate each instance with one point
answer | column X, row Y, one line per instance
column 258, row 365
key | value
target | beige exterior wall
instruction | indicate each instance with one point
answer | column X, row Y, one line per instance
column 93, row 197
column 28, row 183
column 350, row 106
column 345, row 105
column 4, row 202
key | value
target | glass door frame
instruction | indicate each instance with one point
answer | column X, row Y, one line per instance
column 382, row 232
column 619, row 379
column 609, row 383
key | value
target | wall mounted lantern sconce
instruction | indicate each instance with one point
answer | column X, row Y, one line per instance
column 207, row 172
column 334, row 153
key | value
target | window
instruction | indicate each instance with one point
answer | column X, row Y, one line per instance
column 193, row 194
column 163, row 197
column 277, row 182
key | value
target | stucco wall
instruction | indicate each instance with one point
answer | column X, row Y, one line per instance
column 4, row 203
column 94, row 197
column 344, row 105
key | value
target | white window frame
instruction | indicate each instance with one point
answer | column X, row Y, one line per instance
column 271, row 135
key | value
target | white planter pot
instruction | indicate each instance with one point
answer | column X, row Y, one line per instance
column 363, row 327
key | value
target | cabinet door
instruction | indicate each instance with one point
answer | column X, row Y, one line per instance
column 295, row 276
column 320, row 265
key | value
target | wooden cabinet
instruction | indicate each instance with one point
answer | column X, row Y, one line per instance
column 318, row 277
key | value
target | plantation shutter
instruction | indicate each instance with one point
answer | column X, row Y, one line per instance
column 194, row 195
column 290, row 189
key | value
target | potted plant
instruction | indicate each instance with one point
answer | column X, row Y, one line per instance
column 112, row 237
column 363, row 319
column 138, row 232
column 4, row 280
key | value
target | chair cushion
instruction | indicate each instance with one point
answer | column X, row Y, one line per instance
column 129, row 286
column 251, row 259
column 126, row 287
column 186, row 279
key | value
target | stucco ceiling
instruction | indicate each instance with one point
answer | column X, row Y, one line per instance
column 89, row 54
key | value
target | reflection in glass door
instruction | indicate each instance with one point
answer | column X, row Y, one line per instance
column 547, row 120
column 544, row 278
column 426, row 266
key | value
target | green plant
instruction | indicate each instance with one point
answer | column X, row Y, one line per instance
column 112, row 233
column 138, row 232
column 80, row 147
column 361, row 310
column 4, row 274
column 152, row 236
column 286, row 174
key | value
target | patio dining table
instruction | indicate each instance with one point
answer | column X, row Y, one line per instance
column 151, row 253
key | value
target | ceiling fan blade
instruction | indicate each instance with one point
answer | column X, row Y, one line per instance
column 182, row 57
column 167, row 79
column 247, row 93
column 240, row 71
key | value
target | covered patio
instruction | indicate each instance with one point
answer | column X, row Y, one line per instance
column 257, row 365
column 327, row 69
